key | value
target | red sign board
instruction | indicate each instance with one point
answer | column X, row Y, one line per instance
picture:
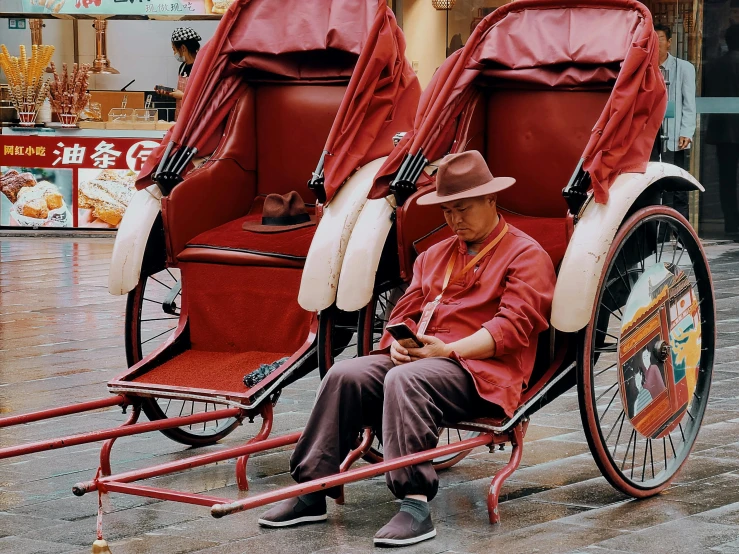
column 75, row 153
column 86, row 181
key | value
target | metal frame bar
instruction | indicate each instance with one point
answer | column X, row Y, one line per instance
column 180, row 465
column 267, row 420
column 108, row 445
column 122, row 483
column 357, row 474
column 116, row 400
column 497, row 483
column 116, row 432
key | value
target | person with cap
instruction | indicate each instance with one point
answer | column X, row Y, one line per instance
column 477, row 302
column 185, row 46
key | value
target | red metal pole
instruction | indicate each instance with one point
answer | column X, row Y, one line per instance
column 162, row 494
column 114, row 400
column 350, row 476
column 188, row 463
column 267, row 418
column 108, row 445
column 497, row 483
column 116, row 432
column 364, row 446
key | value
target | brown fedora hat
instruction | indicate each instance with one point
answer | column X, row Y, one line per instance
column 464, row 175
column 281, row 213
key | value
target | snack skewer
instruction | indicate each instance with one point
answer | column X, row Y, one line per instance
column 68, row 93
column 25, row 75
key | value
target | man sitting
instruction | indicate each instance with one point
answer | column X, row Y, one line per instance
column 478, row 300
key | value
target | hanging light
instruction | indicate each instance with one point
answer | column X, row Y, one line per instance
column 443, row 5
column 101, row 63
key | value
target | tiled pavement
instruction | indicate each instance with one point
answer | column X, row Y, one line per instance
column 61, row 339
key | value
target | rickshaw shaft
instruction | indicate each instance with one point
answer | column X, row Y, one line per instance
column 188, row 463
column 114, row 400
column 116, row 432
column 357, row 474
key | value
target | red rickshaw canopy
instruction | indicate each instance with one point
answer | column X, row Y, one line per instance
column 560, row 44
column 319, row 41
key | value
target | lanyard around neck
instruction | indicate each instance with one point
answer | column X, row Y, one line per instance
column 453, row 259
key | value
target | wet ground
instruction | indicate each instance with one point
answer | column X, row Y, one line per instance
column 61, row 339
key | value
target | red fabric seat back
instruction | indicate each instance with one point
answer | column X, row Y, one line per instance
column 537, row 137
column 292, row 124
column 238, row 140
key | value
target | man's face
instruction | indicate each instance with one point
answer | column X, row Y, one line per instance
column 664, row 44
column 471, row 219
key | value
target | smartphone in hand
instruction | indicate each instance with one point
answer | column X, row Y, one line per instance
column 401, row 331
column 162, row 88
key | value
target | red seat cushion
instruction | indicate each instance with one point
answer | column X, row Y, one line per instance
column 230, row 244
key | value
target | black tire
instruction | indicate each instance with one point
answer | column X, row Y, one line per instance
column 148, row 325
column 651, row 236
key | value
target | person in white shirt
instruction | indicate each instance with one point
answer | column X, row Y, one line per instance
column 680, row 75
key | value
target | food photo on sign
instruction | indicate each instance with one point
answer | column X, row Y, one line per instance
column 103, row 196
column 34, row 197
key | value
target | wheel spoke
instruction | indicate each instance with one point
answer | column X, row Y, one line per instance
column 606, row 348
column 606, row 391
column 628, row 447
column 602, row 371
column 609, row 405
column 621, row 426
column 159, row 335
column 158, row 281
column 159, row 319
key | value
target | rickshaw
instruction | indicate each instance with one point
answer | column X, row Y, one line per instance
column 573, row 118
column 264, row 96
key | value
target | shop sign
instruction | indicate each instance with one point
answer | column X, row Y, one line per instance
column 70, row 152
column 121, row 7
column 68, row 181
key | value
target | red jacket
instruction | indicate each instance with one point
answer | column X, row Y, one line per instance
column 510, row 295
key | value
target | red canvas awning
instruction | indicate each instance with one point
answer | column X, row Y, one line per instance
column 551, row 43
column 380, row 100
column 319, row 40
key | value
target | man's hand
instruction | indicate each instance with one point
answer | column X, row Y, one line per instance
column 399, row 352
column 683, row 143
column 433, row 348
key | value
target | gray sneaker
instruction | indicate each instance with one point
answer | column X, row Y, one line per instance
column 294, row 511
column 404, row 530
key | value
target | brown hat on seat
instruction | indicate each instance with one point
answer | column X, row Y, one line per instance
column 281, row 213
column 464, row 175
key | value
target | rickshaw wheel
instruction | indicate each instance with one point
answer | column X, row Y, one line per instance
column 372, row 321
column 651, row 236
column 148, row 325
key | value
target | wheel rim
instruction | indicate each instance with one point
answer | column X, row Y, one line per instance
column 379, row 310
column 149, row 323
column 641, row 459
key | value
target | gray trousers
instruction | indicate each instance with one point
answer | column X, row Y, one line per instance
column 407, row 403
